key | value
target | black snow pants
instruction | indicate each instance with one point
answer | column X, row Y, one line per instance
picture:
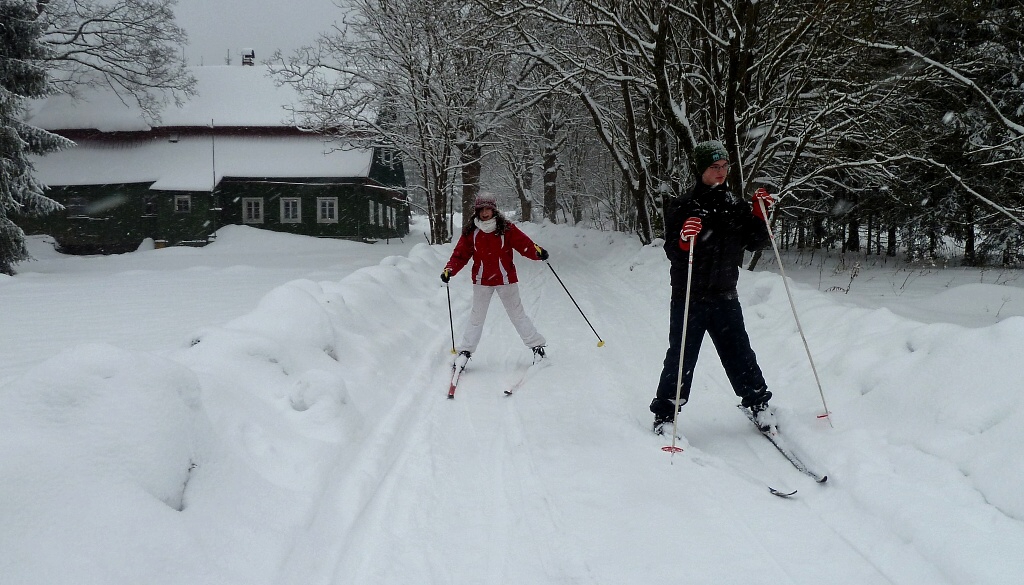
column 722, row 320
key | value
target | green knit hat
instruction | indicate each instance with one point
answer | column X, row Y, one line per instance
column 708, row 153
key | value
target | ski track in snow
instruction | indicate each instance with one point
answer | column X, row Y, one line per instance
column 454, row 491
column 330, row 398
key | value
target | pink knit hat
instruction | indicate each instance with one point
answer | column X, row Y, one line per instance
column 483, row 201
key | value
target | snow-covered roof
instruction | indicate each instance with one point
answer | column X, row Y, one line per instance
column 196, row 163
column 227, row 96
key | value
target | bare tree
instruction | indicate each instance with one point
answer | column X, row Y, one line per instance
column 382, row 76
column 131, row 46
column 427, row 77
column 515, row 153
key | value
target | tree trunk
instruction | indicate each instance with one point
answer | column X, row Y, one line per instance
column 438, row 219
column 525, row 184
column 970, row 255
column 818, row 233
column 890, row 249
column 853, row 237
column 550, row 181
column 867, row 250
column 471, row 167
column 437, row 205
column 549, row 159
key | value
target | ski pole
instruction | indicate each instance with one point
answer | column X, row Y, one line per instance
column 451, row 323
column 785, row 282
column 682, row 348
column 600, row 342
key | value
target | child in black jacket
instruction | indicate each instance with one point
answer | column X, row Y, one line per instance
column 721, row 227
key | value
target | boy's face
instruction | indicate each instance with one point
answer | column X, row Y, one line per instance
column 716, row 173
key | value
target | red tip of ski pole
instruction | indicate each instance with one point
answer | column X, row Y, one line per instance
column 826, row 415
column 671, row 449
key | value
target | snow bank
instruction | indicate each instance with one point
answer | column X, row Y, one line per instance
column 97, row 448
column 308, row 441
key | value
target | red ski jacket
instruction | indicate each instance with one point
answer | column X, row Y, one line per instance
column 492, row 255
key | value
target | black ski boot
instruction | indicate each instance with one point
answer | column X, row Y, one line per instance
column 663, row 412
column 538, row 353
column 662, row 425
column 757, row 402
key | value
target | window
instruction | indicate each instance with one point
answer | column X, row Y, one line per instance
column 182, row 203
column 327, row 210
column 391, row 217
column 387, row 157
column 373, row 212
column 380, row 215
column 149, row 205
column 252, row 210
column 291, row 210
column 76, row 207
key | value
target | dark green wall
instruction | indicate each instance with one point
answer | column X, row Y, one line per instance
column 353, row 207
column 117, row 218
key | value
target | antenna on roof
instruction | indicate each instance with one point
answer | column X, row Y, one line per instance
column 213, row 156
column 227, row 59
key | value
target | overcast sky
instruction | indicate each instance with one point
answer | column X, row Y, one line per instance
column 216, row 27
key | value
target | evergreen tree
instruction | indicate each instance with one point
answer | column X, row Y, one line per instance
column 21, row 76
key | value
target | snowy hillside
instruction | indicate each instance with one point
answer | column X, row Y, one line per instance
column 175, row 417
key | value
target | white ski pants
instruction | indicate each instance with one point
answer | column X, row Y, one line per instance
column 509, row 295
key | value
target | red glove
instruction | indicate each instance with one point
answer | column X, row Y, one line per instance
column 761, row 195
column 691, row 227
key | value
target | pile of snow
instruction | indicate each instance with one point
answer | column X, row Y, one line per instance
column 308, row 440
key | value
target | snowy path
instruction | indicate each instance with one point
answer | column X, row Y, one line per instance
column 530, row 489
column 299, row 433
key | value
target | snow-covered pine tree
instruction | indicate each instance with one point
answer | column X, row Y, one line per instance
column 22, row 76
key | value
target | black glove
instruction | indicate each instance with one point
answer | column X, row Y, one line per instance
column 446, row 275
column 542, row 253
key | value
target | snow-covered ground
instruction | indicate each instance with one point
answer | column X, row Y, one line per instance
column 270, row 409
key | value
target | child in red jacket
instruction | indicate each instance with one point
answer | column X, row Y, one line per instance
column 489, row 240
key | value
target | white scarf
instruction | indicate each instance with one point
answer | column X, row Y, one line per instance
column 486, row 226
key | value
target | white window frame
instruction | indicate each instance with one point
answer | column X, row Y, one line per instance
column 182, row 204
column 77, row 206
column 373, row 211
column 332, row 202
column 257, row 204
column 284, row 209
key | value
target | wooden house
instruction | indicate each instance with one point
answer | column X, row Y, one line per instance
column 233, row 154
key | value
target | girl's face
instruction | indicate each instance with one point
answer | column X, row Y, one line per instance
column 486, row 213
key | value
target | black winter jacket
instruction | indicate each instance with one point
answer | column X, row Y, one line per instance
column 728, row 229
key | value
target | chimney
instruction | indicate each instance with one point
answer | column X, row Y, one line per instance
column 248, row 57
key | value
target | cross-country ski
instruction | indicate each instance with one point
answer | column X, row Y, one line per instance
column 540, row 362
column 458, row 366
column 782, row 445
